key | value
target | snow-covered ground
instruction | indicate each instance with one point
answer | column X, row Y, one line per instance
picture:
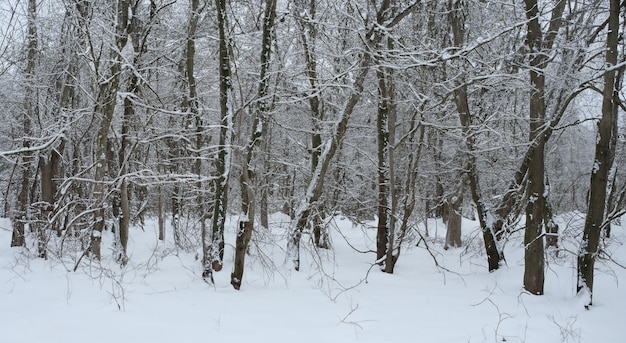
column 336, row 297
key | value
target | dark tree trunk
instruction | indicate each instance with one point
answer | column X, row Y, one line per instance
column 537, row 44
column 551, row 227
column 50, row 169
column 244, row 232
column 214, row 260
column 386, row 234
column 160, row 214
column 604, row 156
column 533, row 239
column 246, row 224
column 494, row 256
column 21, row 216
column 105, row 108
column 124, row 220
column 308, row 37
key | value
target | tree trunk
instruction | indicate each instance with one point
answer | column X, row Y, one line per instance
column 533, row 236
column 328, row 148
column 604, row 156
column 213, row 261
column 452, row 208
column 176, row 213
column 308, row 37
column 124, row 220
column 160, row 214
column 246, row 224
column 48, row 166
column 494, row 256
column 20, row 217
column 244, row 232
column 105, row 108
column 264, row 196
column 533, row 239
column 123, row 217
column 386, row 233
column 550, row 226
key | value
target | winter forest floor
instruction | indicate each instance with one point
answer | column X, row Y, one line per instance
column 336, row 297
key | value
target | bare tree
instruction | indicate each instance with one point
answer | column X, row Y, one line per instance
column 308, row 37
column 494, row 256
column 386, row 123
column 453, row 220
column 246, row 223
column 213, row 258
column 538, row 44
column 21, row 216
column 385, row 19
column 604, row 156
column 109, row 83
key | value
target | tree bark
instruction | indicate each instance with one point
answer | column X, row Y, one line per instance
column 308, row 37
column 538, row 44
column 550, row 226
column 214, row 260
column 485, row 218
column 160, row 214
column 604, row 156
column 533, row 239
column 246, row 223
column 372, row 38
column 314, row 189
column 386, row 233
column 20, row 217
column 452, row 207
column 105, row 108
column 129, row 112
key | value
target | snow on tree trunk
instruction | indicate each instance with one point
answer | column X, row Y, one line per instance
column 214, row 260
column 105, row 109
column 20, row 217
column 386, row 232
column 604, row 157
column 453, row 218
column 385, row 21
column 248, row 205
column 538, row 44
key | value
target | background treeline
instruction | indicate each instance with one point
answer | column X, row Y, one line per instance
column 393, row 110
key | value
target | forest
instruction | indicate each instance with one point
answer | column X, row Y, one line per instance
column 194, row 115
